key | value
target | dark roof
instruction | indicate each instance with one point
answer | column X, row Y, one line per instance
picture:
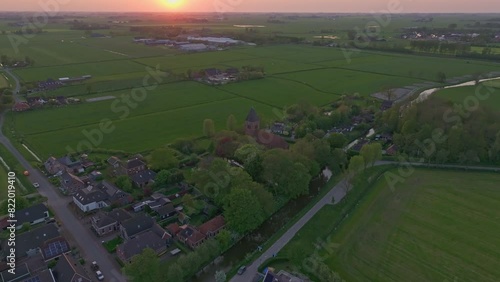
column 31, row 214
column 212, row 225
column 143, row 241
column 119, row 215
column 86, row 197
column 166, row 209
column 191, row 234
column 252, row 116
column 143, row 176
column 133, row 163
column 212, row 71
column 137, row 224
column 113, row 160
column 22, row 271
column 44, row 276
column 54, row 248
column 67, row 161
column 102, row 219
column 67, row 270
column 35, row 238
column 271, row 140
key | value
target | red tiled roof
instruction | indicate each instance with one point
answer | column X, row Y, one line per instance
column 271, row 140
column 3, row 223
column 212, row 225
column 173, row 228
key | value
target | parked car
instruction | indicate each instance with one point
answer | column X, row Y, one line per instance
column 242, row 270
column 99, row 275
column 94, row 266
column 36, row 185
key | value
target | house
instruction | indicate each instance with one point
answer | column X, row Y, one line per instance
column 166, row 211
column 133, row 166
column 21, row 107
column 173, row 229
column 104, row 223
column 212, row 227
column 73, row 166
column 71, row 183
column 268, row 139
column 190, row 236
column 152, row 202
column 54, row 248
column 53, row 166
column 32, row 215
column 36, row 263
column 132, row 227
column 90, row 198
column 278, row 128
column 42, row 276
column 22, row 272
column 114, row 162
column 143, row 178
column 68, row 270
column 392, row 150
column 156, row 239
column 115, row 195
column 281, row 276
column 29, row 243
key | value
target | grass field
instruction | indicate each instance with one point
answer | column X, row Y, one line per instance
column 436, row 226
column 4, row 83
column 3, row 179
column 462, row 95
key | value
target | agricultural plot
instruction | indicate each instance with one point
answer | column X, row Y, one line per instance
column 436, row 226
column 54, row 48
column 342, row 81
column 140, row 133
column 4, row 83
column 486, row 96
column 97, row 70
column 280, row 92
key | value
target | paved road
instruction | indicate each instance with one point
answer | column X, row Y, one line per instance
column 18, row 85
column 338, row 192
column 82, row 235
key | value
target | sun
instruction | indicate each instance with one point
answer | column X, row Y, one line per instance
column 174, row 3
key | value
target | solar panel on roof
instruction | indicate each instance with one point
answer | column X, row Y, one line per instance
column 56, row 248
column 33, row 279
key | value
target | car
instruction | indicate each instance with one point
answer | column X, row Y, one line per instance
column 50, row 220
column 36, row 185
column 99, row 275
column 94, row 266
column 242, row 270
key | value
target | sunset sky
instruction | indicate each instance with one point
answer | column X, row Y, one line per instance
column 407, row 6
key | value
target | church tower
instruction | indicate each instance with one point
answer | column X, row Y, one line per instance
column 252, row 123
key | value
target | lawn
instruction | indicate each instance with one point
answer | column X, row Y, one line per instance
column 3, row 180
column 437, row 225
column 111, row 245
column 487, row 96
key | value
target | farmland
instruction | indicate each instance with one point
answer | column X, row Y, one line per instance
column 4, row 83
column 3, row 179
column 489, row 90
column 435, row 226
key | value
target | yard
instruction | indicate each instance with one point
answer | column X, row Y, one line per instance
column 436, row 226
column 111, row 245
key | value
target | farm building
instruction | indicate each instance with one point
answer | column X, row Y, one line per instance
column 21, row 107
column 193, row 47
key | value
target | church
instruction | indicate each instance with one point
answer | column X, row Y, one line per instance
column 263, row 137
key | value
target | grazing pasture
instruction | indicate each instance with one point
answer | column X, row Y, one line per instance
column 436, row 226
column 486, row 96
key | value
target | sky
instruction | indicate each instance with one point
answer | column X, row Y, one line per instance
column 335, row 6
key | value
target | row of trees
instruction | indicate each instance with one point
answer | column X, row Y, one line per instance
column 435, row 46
column 9, row 61
column 457, row 136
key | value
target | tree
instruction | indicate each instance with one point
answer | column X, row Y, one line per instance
column 337, row 140
column 231, row 123
column 175, row 273
column 208, row 128
column 242, row 211
column 162, row 178
column 224, row 239
column 123, row 182
column 441, row 77
column 264, row 197
column 220, row 276
column 163, row 158
column 371, row 153
column 144, row 267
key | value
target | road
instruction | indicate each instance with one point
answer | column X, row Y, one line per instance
column 82, row 235
column 338, row 192
column 17, row 88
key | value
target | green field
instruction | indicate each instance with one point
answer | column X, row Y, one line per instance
column 436, row 226
column 4, row 83
column 3, row 179
column 486, row 96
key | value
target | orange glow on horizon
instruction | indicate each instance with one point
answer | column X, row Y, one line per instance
column 174, row 4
